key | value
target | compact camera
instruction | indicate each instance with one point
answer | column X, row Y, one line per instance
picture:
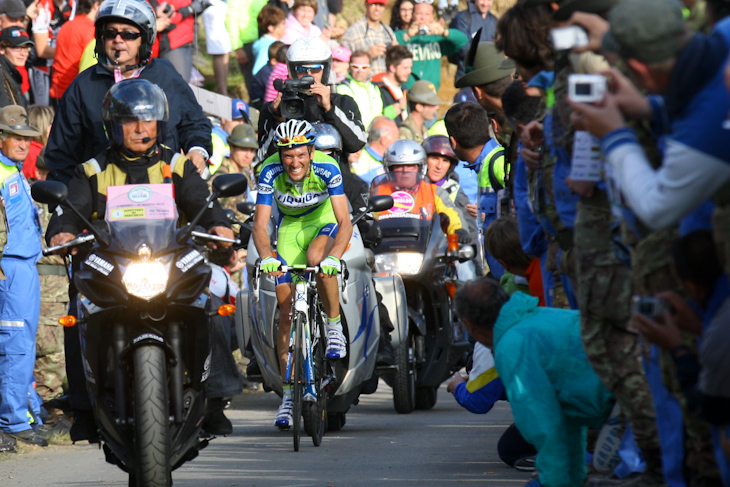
column 292, row 104
column 648, row 306
column 586, row 88
column 167, row 9
column 568, row 37
column 422, row 31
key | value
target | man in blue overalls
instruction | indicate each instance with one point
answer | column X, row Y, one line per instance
column 20, row 291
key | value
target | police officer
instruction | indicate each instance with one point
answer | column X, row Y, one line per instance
column 20, row 291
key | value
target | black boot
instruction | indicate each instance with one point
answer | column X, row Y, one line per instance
column 7, row 444
column 215, row 422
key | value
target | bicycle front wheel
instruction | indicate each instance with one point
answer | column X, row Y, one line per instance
column 298, row 377
column 315, row 414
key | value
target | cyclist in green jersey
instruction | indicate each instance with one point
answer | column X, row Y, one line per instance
column 314, row 229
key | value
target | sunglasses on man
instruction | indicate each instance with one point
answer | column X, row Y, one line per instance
column 309, row 69
column 126, row 35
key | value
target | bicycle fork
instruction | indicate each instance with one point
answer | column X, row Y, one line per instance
column 301, row 308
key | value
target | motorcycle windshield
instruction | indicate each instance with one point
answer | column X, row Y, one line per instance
column 407, row 225
column 141, row 213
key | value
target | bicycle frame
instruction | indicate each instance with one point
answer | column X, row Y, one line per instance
column 303, row 301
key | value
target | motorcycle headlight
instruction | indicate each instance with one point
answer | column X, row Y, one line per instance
column 145, row 279
column 405, row 263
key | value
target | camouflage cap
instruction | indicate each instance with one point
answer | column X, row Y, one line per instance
column 14, row 120
column 243, row 135
column 569, row 7
column 650, row 31
column 484, row 64
column 424, row 92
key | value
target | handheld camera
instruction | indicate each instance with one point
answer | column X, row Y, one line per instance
column 586, row 88
column 568, row 37
column 292, row 104
column 649, row 306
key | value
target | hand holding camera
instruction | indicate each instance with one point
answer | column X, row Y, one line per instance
column 436, row 29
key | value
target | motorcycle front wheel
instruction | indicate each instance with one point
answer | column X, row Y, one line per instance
column 404, row 377
column 151, row 419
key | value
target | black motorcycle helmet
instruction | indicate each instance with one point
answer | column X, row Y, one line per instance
column 138, row 13
column 133, row 99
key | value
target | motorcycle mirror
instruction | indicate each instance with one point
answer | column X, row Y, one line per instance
column 380, row 203
column 466, row 253
column 227, row 185
column 231, row 216
column 49, row 192
column 246, row 207
column 55, row 193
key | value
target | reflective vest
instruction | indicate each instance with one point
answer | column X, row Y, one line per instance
column 21, row 232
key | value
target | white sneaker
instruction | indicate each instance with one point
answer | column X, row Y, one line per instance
column 336, row 344
column 285, row 415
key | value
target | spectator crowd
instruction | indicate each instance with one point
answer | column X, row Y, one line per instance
column 586, row 151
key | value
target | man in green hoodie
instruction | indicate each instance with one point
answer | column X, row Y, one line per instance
column 554, row 393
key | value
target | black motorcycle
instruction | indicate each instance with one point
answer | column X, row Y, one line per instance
column 415, row 246
column 143, row 308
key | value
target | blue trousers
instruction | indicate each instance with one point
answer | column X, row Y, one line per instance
column 20, row 303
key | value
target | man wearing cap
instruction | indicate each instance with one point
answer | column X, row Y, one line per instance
column 471, row 21
column 220, row 133
column 383, row 132
column 14, row 51
column 428, row 40
column 243, row 144
column 20, row 291
column 423, row 105
column 371, row 35
column 13, row 13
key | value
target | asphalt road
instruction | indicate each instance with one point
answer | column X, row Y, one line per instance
column 377, row 447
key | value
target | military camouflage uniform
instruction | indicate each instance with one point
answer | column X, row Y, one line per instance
column 409, row 130
column 610, row 337
column 50, row 365
column 228, row 167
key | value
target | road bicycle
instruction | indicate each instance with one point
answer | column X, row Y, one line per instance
column 307, row 369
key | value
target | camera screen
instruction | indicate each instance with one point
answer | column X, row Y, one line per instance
column 583, row 89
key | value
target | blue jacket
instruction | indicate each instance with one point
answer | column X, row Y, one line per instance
column 78, row 133
column 23, row 224
column 484, row 386
column 553, row 391
column 469, row 21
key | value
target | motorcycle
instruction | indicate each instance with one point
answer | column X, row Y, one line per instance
column 415, row 246
column 142, row 313
column 257, row 320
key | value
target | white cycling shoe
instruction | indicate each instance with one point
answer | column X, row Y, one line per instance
column 336, row 344
column 285, row 416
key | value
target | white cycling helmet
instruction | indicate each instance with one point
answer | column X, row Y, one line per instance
column 293, row 133
column 404, row 151
column 309, row 50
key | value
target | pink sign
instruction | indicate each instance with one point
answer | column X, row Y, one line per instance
column 140, row 202
column 402, row 202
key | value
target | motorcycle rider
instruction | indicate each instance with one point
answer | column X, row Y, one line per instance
column 135, row 114
column 442, row 161
column 405, row 161
column 312, row 56
column 314, row 229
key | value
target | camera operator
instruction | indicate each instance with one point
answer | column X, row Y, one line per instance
column 311, row 56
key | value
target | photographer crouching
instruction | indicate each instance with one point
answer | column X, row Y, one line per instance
column 307, row 96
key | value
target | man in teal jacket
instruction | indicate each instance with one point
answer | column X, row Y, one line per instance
column 554, row 393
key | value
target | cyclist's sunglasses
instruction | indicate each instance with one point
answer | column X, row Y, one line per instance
column 309, row 69
column 127, row 35
column 297, row 139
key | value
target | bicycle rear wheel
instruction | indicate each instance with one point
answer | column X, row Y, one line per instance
column 315, row 414
column 298, row 378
